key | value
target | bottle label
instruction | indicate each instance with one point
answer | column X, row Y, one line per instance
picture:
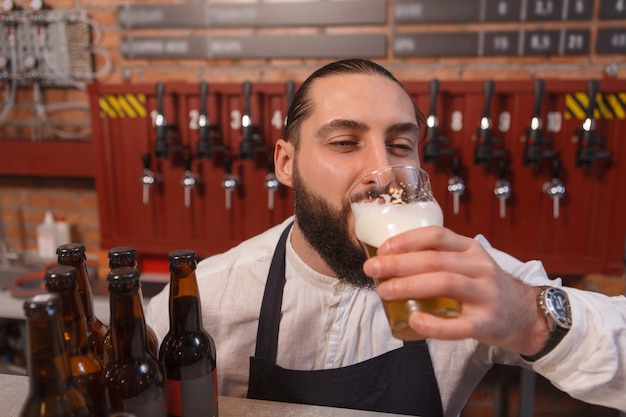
column 192, row 397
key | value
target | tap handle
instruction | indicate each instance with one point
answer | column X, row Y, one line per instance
column 502, row 165
column 556, row 168
column 146, row 160
column 488, row 91
column 228, row 165
column 434, row 93
column 161, row 147
column 160, row 92
column 540, row 86
column 290, row 89
column 187, row 159
column 456, row 166
column 247, row 92
column 592, row 91
column 204, row 92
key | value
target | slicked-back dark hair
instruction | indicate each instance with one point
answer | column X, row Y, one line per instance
column 302, row 106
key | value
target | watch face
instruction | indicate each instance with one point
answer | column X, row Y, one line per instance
column 557, row 304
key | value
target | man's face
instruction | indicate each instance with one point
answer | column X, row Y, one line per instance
column 359, row 123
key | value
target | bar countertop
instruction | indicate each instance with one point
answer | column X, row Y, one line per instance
column 14, row 388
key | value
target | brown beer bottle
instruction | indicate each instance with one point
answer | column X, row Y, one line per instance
column 188, row 351
column 127, row 256
column 52, row 391
column 85, row 366
column 73, row 254
column 133, row 379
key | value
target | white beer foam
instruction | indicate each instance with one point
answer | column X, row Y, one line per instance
column 374, row 223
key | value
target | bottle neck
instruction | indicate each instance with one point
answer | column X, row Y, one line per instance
column 48, row 360
column 128, row 326
column 74, row 324
column 185, row 308
column 84, row 289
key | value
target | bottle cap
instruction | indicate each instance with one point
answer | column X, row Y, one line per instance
column 181, row 255
column 71, row 252
column 121, row 255
column 122, row 276
column 61, row 277
column 48, row 304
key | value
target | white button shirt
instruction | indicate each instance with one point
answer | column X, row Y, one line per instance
column 328, row 324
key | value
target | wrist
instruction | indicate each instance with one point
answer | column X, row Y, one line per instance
column 554, row 321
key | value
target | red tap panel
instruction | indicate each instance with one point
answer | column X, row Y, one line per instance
column 587, row 237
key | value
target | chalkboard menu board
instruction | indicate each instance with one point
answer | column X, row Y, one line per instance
column 450, row 31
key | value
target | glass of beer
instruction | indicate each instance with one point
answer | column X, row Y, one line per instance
column 387, row 202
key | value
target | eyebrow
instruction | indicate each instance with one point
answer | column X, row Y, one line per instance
column 404, row 127
column 336, row 124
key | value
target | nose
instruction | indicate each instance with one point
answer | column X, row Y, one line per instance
column 376, row 157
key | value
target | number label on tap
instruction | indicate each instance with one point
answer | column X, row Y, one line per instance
column 277, row 120
column 235, row 119
column 194, row 116
column 554, row 119
column 456, row 121
column 504, row 121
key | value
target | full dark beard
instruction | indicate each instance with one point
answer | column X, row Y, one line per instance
column 326, row 230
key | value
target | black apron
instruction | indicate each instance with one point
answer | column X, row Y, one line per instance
column 401, row 381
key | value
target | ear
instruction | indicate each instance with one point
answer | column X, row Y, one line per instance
column 283, row 162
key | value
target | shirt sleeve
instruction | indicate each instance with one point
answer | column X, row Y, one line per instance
column 590, row 362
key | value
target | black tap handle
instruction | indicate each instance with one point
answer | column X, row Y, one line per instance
column 204, row 92
column 187, row 158
column 247, row 92
column 502, row 169
column 540, row 86
column 592, row 91
column 434, row 93
column 146, row 160
column 489, row 88
column 290, row 90
column 228, row 165
column 270, row 164
column 456, row 166
column 160, row 92
column 556, row 168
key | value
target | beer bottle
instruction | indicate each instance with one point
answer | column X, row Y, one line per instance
column 133, row 378
column 52, row 391
column 127, row 256
column 85, row 366
column 188, row 351
column 73, row 254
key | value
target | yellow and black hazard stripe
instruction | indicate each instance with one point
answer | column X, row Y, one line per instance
column 608, row 106
column 122, row 105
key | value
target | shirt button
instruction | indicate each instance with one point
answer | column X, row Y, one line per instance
column 340, row 286
column 549, row 368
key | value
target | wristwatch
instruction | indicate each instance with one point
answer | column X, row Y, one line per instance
column 554, row 305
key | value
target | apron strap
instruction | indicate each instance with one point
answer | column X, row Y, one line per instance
column 269, row 317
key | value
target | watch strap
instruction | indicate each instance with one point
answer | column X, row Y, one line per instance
column 555, row 337
column 557, row 333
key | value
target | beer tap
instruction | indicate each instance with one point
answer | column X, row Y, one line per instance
column 271, row 183
column 149, row 178
column 207, row 132
column 230, row 181
column 587, row 137
column 502, row 189
column 161, row 147
column 534, row 150
column 189, row 180
column 456, row 185
column 483, row 150
column 251, row 138
column 432, row 142
column 555, row 189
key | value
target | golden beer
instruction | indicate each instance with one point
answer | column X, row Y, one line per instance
column 399, row 311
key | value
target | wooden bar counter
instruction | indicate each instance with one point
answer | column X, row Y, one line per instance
column 13, row 391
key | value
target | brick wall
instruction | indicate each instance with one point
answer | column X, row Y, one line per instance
column 23, row 200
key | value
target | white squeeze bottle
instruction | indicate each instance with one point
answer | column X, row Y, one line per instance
column 62, row 232
column 46, row 237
